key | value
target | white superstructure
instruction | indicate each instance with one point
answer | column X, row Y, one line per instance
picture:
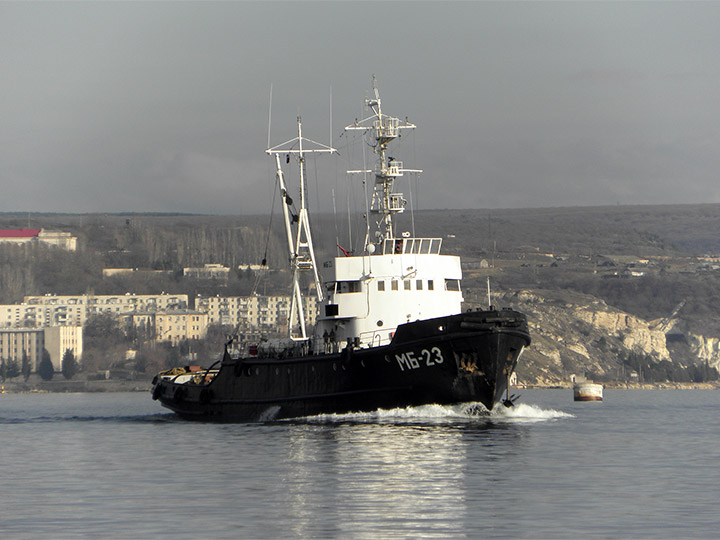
column 372, row 294
column 397, row 279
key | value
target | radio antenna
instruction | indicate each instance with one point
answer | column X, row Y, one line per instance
column 269, row 115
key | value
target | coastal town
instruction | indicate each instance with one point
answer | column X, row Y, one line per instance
column 53, row 324
column 128, row 296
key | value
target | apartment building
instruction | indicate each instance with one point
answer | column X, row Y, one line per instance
column 253, row 312
column 171, row 325
column 59, row 339
column 16, row 341
column 31, row 341
column 52, row 310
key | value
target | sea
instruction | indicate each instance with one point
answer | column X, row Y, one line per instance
column 640, row 464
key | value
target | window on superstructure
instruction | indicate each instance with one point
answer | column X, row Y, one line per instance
column 431, row 285
column 419, row 285
column 344, row 287
column 452, row 284
column 394, row 285
column 406, row 285
column 381, row 285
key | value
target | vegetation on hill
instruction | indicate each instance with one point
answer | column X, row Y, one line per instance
column 642, row 260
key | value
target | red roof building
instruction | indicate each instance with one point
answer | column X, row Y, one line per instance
column 63, row 240
column 19, row 233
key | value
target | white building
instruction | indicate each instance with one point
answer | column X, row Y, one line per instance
column 59, row 339
column 209, row 271
column 52, row 310
column 111, row 272
column 63, row 240
column 171, row 325
column 14, row 342
column 253, row 312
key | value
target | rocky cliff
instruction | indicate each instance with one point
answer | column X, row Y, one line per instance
column 706, row 349
column 574, row 334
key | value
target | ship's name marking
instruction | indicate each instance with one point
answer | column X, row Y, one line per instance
column 411, row 360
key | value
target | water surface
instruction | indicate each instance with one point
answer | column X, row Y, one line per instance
column 640, row 464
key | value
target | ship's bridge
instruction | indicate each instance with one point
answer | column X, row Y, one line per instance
column 405, row 279
column 416, row 246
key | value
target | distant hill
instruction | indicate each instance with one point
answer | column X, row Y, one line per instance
column 640, row 260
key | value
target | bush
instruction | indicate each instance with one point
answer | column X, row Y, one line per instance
column 69, row 364
column 46, row 369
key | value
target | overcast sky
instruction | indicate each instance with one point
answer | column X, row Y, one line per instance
column 163, row 106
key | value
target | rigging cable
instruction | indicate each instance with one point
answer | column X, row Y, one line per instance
column 410, row 188
column 367, row 202
column 261, row 274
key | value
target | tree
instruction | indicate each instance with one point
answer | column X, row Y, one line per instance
column 3, row 369
column 26, row 367
column 46, row 369
column 69, row 364
column 13, row 370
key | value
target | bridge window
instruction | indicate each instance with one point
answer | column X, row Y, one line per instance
column 423, row 246
column 348, row 287
column 452, row 284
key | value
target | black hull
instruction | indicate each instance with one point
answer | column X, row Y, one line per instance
column 467, row 357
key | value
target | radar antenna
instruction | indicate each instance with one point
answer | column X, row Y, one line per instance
column 384, row 129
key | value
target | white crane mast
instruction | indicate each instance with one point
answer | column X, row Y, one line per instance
column 302, row 253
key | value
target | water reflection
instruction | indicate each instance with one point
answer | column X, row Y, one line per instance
column 112, row 461
column 390, row 478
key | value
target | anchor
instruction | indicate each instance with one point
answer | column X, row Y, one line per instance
column 509, row 400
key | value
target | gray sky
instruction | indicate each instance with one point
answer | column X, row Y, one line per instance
column 163, row 106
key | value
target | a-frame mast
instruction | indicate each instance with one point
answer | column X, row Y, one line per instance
column 302, row 253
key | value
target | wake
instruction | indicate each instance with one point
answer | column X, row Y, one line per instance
column 464, row 412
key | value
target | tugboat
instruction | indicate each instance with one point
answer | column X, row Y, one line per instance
column 391, row 332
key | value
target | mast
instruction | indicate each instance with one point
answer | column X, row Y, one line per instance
column 301, row 251
column 384, row 129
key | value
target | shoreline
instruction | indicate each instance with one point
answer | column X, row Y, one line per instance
column 142, row 385
column 714, row 385
column 80, row 386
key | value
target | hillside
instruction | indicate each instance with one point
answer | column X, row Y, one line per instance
column 572, row 270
